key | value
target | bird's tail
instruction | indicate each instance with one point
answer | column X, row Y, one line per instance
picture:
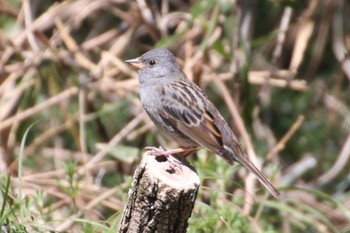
column 244, row 160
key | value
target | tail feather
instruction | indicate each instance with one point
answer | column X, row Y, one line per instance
column 244, row 160
column 261, row 177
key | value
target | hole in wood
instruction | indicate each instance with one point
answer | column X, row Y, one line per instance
column 161, row 158
column 171, row 170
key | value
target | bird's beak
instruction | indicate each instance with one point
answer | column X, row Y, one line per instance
column 135, row 62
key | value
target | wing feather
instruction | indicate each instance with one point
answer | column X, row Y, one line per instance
column 185, row 108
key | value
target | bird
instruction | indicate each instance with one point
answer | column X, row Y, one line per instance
column 182, row 111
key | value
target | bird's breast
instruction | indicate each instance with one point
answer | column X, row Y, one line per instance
column 149, row 98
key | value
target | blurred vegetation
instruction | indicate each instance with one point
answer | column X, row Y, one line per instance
column 72, row 128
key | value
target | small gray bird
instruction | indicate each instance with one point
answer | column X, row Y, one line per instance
column 180, row 109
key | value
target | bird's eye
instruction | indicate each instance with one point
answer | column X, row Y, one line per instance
column 152, row 62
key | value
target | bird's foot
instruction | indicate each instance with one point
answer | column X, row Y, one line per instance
column 159, row 151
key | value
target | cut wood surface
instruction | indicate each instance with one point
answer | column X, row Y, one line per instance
column 162, row 196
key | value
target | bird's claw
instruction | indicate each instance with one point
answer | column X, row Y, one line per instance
column 157, row 151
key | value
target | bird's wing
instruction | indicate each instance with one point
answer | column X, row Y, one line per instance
column 186, row 108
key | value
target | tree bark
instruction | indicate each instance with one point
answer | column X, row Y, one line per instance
column 162, row 196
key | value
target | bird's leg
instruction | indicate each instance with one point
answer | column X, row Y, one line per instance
column 189, row 151
column 183, row 151
column 159, row 151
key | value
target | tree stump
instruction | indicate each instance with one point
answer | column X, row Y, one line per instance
column 162, row 196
